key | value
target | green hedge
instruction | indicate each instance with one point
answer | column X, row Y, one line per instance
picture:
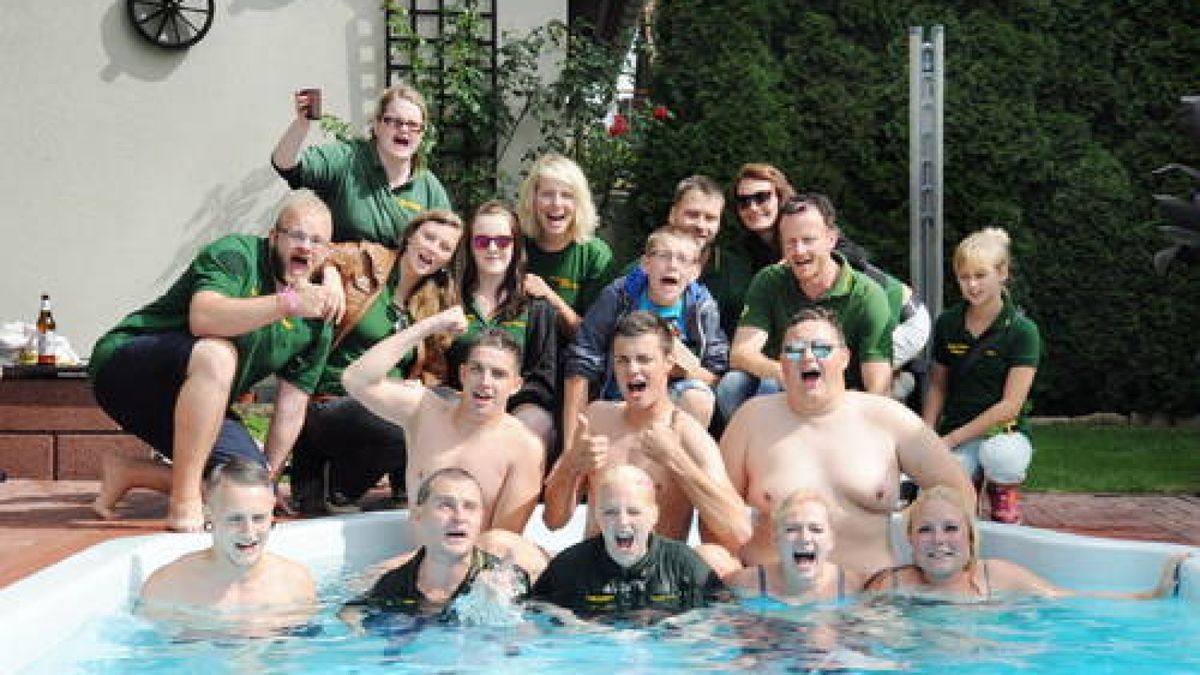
column 1055, row 114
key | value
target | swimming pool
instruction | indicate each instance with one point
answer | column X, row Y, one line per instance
column 53, row 621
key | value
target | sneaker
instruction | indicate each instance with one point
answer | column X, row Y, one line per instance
column 1005, row 503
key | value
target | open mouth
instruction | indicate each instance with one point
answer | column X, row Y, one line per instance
column 804, row 557
column 810, row 375
column 456, row 536
column 482, row 397
column 624, row 541
column 299, row 264
column 402, row 141
column 246, row 547
column 669, row 280
column 637, row 386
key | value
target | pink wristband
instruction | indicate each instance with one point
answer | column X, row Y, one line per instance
column 290, row 301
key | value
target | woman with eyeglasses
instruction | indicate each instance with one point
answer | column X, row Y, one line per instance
column 491, row 277
column 568, row 264
column 985, row 356
column 374, row 186
column 344, row 449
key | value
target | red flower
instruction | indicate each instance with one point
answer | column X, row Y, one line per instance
column 619, row 126
column 661, row 113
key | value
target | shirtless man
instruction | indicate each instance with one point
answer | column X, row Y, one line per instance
column 647, row 430
column 849, row 446
column 471, row 431
column 235, row 578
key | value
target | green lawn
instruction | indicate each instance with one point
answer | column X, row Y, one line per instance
column 1104, row 458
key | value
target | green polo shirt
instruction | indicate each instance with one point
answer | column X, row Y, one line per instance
column 236, row 266
column 861, row 305
column 351, row 179
column 970, row 392
column 577, row 273
column 380, row 321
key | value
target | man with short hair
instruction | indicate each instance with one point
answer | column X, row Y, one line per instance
column 846, row 445
column 646, row 429
column 243, row 310
column 446, row 523
column 627, row 566
column 811, row 274
column 235, row 577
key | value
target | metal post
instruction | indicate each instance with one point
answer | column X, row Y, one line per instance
column 926, row 71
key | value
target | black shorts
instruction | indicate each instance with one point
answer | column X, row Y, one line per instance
column 138, row 388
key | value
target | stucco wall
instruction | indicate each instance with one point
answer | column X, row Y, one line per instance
column 122, row 159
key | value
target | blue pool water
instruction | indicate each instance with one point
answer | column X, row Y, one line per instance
column 1077, row 635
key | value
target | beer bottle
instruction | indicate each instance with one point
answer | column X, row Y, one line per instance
column 45, row 333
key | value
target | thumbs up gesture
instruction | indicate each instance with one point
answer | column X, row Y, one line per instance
column 589, row 452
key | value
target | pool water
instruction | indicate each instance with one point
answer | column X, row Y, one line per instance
column 1076, row 635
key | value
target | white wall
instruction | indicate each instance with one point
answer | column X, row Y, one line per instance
column 122, row 159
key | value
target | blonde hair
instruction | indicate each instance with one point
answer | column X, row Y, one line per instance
column 553, row 166
column 402, row 91
column 434, row 293
column 663, row 235
column 988, row 247
column 797, row 498
column 954, row 498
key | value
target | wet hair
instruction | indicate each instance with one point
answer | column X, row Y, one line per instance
column 496, row 338
column 404, row 92
column 697, row 183
column 640, row 322
column 795, row 499
column 662, row 235
column 449, row 473
column 434, row 293
column 298, row 201
column 819, row 314
column 240, row 472
column 956, row 499
column 988, row 247
column 554, row 166
column 512, row 288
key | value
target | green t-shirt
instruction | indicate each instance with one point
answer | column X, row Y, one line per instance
column 774, row 297
column 980, row 387
column 350, row 178
column 516, row 326
column 236, row 266
column 577, row 273
column 380, row 321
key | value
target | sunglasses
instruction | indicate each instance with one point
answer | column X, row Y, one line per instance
column 757, row 198
column 483, row 241
column 794, row 351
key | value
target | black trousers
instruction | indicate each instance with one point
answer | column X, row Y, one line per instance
column 353, row 444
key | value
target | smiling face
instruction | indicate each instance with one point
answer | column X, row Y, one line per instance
column 489, row 377
column 808, row 245
column 672, row 263
column 814, row 362
column 980, row 283
column 429, row 247
column 492, row 238
column 398, row 129
column 804, row 537
column 626, row 514
column 554, row 208
column 448, row 523
column 757, row 204
column 940, row 536
column 641, row 367
column 241, row 517
column 698, row 214
column 300, row 242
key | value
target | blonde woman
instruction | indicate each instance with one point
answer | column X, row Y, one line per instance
column 568, row 264
column 986, row 354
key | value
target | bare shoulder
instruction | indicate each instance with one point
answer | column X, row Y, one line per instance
column 742, row 580
column 604, row 414
column 282, row 567
column 181, row 573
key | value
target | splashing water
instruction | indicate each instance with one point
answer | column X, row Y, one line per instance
column 490, row 602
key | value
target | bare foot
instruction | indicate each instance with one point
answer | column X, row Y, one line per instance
column 114, row 483
column 187, row 517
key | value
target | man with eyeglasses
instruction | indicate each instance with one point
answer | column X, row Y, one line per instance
column 811, row 274
column 848, row 446
column 665, row 285
column 243, row 310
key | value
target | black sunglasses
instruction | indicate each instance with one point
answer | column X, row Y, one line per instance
column 759, row 198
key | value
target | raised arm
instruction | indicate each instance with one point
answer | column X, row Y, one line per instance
column 291, row 404
column 287, row 151
column 563, row 486
column 367, row 378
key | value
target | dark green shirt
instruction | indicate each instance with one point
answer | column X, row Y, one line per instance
column 577, row 273
column 397, row 590
column 236, row 266
column 380, row 321
column 352, row 181
column 969, row 392
column 774, row 297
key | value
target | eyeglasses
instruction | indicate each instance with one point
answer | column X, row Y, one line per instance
column 794, row 351
column 298, row 237
column 401, row 124
column 667, row 256
column 483, row 241
column 757, row 198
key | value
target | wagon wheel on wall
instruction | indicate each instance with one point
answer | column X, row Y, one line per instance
column 173, row 24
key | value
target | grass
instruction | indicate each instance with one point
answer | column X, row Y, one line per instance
column 1105, row 458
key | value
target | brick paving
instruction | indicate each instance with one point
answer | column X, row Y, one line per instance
column 42, row 522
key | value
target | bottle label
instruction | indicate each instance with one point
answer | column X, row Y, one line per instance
column 45, row 347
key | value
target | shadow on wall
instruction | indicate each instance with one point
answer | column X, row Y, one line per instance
column 247, row 206
column 127, row 50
